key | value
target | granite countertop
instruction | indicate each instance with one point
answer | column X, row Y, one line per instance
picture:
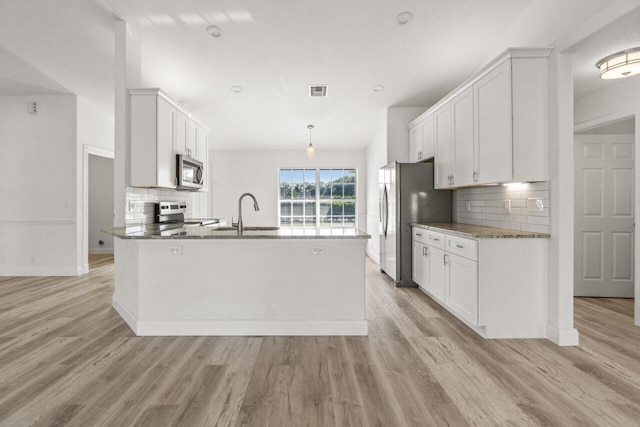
column 179, row 231
column 478, row 231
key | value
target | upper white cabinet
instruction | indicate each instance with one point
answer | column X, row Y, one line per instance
column 159, row 130
column 152, row 155
column 493, row 126
column 492, row 129
column 422, row 141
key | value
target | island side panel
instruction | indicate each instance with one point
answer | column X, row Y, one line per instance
column 512, row 287
column 126, row 298
column 250, row 286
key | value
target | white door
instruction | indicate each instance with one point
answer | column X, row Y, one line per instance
column 428, row 138
column 437, row 277
column 444, row 147
column 415, row 143
column 604, row 222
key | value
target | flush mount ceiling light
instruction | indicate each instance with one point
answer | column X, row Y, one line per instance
column 236, row 89
column 621, row 64
column 377, row 88
column 214, row 31
column 404, row 18
column 311, row 152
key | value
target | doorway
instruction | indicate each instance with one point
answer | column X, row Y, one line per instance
column 604, row 243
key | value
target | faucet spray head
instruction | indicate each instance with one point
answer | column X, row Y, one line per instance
column 255, row 206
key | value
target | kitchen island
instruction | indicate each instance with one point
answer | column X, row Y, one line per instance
column 208, row 281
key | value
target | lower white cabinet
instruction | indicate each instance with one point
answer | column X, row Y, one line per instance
column 461, row 290
column 497, row 286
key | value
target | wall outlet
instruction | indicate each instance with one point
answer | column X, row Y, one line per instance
column 32, row 107
column 535, row 205
column 318, row 250
column 506, row 206
column 131, row 206
column 175, row 250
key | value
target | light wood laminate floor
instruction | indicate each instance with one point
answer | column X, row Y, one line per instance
column 67, row 358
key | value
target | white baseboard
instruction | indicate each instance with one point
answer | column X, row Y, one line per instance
column 375, row 257
column 563, row 337
column 239, row 327
column 40, row 271
column 100, row 251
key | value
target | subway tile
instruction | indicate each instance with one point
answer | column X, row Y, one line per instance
column 540, row 220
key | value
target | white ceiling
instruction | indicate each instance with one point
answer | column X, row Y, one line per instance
column 274, row 49
column 622, row 34
column 623, row 127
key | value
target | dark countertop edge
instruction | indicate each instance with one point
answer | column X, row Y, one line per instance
column 511, row 234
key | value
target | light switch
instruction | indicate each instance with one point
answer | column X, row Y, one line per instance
column 318, row 250
column 506, row 206
column 175, row 250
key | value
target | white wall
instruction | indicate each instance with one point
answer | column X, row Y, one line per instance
column 234, row 172
column 390, row 143
column 100, row 204
column 39, row 179
column 616, row 102
column 376, row 158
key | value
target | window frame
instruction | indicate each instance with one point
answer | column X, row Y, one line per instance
column 317, row 199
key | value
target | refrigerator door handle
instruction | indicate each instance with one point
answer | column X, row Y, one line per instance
column 385, row 211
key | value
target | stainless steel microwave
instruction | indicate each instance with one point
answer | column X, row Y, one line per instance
column 190, row 173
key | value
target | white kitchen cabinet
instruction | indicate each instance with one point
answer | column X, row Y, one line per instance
column 492, row 129
column 159, row 130
column 419, row 264
column 152, row 153
column 494, row 126
column 443, row 147
column 462, row 116
column 422, row 140
column 461, row 290
column 182, row 133
column 415, row 144
column 494, row 285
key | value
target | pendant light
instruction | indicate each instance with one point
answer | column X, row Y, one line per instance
column 311, row 152
column 621, row 64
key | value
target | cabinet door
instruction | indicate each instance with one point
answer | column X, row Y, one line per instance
column 165, row 154
column 428, row 138
column 462, row 111
column 182, row 130
column 493, row 126
column 444, row 147
column 415, row 143
column 202, row 152
column 418, row 263
column 191, row 139
column 461, row 294
column 437, row 277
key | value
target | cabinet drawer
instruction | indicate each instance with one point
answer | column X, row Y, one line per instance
column 464, row 247
column 436, row 239
column 420, row 235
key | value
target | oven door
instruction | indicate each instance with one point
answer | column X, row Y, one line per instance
column 190, row 173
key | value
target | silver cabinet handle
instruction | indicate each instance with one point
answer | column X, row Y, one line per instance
column 419, row 154
column 475, row 176
column 418, row 234
column 452, row 179
column 427, row 250
column 459, row 246
column 434, row 239
column 445, row 259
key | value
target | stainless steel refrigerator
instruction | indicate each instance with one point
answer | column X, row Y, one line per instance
column 406, row 195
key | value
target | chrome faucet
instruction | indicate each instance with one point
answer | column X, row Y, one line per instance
column 255, row 207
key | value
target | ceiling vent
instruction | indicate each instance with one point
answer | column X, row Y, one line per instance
column 318, row 91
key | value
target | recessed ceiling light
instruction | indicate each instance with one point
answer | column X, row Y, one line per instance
column 236, row 89
column 214, row 31
column 404, row 18
column 377, row 88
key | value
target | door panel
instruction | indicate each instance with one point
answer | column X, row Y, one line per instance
column 462, row 287
column 604, row 215
column 463, row 165
column 437, row 277
column 419, row 265
column 444, row 147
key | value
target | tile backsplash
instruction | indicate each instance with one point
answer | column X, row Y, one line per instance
column 139, row 205
column 485, row 206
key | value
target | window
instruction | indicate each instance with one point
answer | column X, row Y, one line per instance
column 317, row 198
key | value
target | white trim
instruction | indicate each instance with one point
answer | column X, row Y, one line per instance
column 564, row 337
column 90, row 149
column 608, row 119
column 239, row 327
column 99, row 251
column 38, row 221
column 41, row 271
